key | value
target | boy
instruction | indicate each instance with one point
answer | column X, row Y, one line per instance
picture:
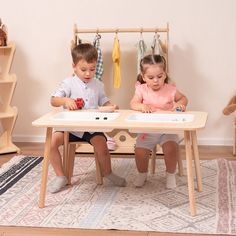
column 81, row 85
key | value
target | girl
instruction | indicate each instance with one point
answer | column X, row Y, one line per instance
column 156, row 94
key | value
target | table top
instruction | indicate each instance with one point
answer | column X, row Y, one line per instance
column 121, row 122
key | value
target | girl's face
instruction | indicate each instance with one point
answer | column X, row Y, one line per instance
column 84, row 70
column 154, row 76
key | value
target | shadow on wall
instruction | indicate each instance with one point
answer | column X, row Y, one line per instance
column 123, row 95
column 188, row 78
column 202, row 92
column 27, row 92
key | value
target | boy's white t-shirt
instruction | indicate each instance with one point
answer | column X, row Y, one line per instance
column 92, row 93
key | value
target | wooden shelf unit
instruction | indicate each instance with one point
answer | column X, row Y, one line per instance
column 8, row 114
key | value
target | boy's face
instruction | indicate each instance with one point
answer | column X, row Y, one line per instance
column 84, row 70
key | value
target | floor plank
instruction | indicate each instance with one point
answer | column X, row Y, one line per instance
column 27, row 231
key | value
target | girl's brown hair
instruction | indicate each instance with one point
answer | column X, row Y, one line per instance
column 151, row 59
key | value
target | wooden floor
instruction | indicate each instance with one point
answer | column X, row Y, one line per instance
column 35, row 149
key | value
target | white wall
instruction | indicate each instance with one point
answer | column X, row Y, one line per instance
column 202, row 53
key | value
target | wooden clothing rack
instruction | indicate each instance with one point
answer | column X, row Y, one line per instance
column 163, row 30
column 121, row 30
column 124, row 140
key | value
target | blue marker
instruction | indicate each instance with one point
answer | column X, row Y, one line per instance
column 178, row 109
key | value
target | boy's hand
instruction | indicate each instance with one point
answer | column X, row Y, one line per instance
column 110, row 104
column 116, row 107
column 70, row 104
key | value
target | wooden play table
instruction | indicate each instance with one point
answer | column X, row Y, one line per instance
column 189, row 129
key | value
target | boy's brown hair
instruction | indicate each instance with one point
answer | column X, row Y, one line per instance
column 84, row 51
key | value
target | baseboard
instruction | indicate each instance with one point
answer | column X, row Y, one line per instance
column 28, row 138
column 215, row 142
column 201, row 141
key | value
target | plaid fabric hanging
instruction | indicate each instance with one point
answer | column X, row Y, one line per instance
column 99, row 67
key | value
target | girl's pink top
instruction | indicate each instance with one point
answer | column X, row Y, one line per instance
column 163, row 99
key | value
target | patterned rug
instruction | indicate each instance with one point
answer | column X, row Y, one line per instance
column 151, row 208
column 13, row 171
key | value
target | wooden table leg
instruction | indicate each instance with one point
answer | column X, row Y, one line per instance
column 153, row 160
column 196, row 160
column 45, row 168
column 187, row 139
column 66, row 153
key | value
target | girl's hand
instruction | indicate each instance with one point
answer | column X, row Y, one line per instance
column 70, row 104
column 145, row 108
column 179, row 106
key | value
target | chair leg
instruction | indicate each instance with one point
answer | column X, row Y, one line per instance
column 98, row 171
column 153, row 163
column 153, row 160
column 180, row 161
column 234, row 144
column 180, row 166
column 65, row 152
column 71, row 160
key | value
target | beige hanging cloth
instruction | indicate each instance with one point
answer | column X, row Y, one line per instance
column 157, row 45
column 116, row 63
column 141, row 49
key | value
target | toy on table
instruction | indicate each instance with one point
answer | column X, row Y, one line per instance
column 179, row 109
column 79, row 102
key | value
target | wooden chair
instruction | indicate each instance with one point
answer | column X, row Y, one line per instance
column 230, row 109
column 153, row 158
column 121, row 138
column 234, row 145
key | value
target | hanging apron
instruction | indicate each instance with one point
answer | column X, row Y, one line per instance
column 141, row 50
column 156, row 46
column 116, row 63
